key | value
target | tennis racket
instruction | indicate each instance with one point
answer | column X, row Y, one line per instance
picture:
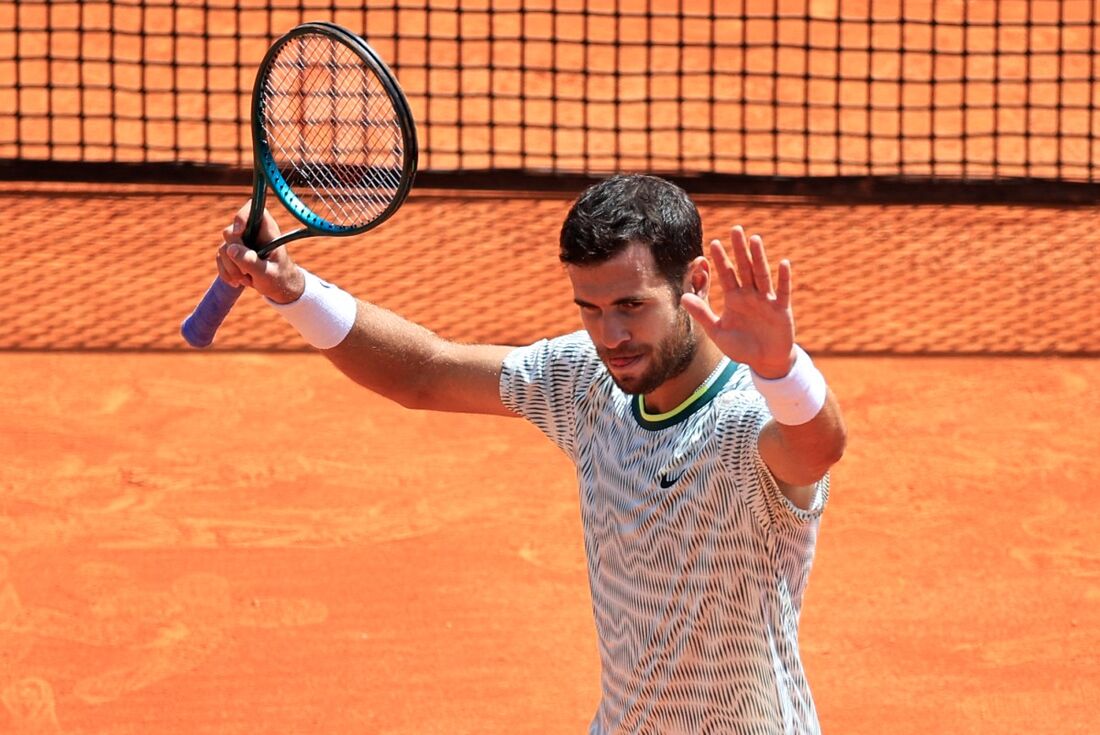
column 333, row 138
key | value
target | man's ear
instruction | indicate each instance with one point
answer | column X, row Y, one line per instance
column 697, row 279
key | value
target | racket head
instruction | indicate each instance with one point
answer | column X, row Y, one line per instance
column 333, row 133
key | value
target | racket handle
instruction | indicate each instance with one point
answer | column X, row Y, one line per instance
column 199, row 328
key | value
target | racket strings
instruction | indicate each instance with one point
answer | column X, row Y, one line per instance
column 344, row 187
column 349, row 187
column 332, row 129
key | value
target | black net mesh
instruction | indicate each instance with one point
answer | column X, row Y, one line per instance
column 916, row 89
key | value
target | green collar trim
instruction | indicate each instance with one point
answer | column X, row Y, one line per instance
column 703, row 395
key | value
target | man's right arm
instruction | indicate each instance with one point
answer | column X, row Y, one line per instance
column 384, row 352
column 415, row 367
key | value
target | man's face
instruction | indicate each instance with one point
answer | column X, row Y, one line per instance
column 633, row 315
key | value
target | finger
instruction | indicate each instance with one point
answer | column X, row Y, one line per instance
column 222, row 272
column 700, row 311
column 269, row 228
column 741, row 258
column 783, row 290
column 246, row 260
column 228, row 271
column 726, row 275
column 761, row 272
column 232, row 233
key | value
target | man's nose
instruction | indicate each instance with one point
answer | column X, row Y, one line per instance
column 614, row 332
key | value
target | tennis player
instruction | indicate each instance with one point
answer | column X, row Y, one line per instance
column 702, row 442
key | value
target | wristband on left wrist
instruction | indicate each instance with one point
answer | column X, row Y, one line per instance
column 798, row 396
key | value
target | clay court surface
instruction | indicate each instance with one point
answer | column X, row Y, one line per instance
column 247, row 543
column 241, row 541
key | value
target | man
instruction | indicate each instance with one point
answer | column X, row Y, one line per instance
column 702, row 443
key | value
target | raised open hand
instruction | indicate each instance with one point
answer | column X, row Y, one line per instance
column 756, row 325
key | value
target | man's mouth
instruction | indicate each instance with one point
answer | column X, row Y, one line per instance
column 623, row 361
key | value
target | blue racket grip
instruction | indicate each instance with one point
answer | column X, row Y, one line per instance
column 199, row 328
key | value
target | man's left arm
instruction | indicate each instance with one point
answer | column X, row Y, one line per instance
column 799, row 456
column 806, row 435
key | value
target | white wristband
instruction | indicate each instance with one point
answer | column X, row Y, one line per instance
column 799, row 395
column 323, row 314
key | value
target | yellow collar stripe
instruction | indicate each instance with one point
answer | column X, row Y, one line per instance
column 659, row 417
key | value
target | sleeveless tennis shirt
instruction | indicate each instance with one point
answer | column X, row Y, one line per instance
column 696, row 561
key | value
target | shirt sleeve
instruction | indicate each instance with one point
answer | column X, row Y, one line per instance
column 743, row 418
column 544, row 382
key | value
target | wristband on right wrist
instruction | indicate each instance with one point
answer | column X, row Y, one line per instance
column 324, row 314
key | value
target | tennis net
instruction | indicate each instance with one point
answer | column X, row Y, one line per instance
column 530, row 91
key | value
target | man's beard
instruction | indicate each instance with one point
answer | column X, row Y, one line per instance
column 668, row 359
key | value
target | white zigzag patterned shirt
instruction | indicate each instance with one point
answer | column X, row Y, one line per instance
column 696, row 562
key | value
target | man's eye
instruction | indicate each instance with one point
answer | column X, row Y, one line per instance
column 632, row 305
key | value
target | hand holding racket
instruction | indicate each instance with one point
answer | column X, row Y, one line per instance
column 333, row 137
column 276, row 277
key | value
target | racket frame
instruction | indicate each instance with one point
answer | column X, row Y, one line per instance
column 199, row 328
column 266, row 173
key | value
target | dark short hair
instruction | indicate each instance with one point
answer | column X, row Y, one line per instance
column 627, row 208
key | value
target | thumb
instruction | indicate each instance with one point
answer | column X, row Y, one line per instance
column 700, row 311
column 246, row 259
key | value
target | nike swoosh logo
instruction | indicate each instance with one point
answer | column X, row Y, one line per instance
column 667, row 482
